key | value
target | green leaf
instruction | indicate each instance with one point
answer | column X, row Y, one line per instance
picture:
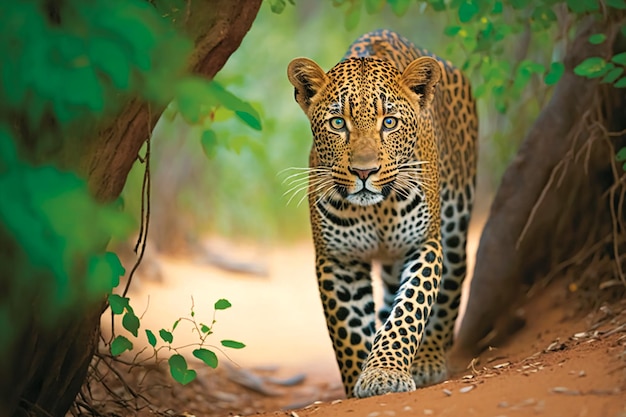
column 451, row 30
column 467, row 11
column 103, row 273
column 437, row 5
column 117, row 229
column 531, row 67
column 118, row 303
column 151, row 338
column 621, row 83
column 618, row 4
column 582, row 6
column 277, row 6
column 591, row 67
column 8, row 153
column 619, row 58
column 242, row 109
column 195, row 99
column 554, row 73
column 621, row 154
column 175, row 324
column 166, row 336
column 481, row 90
column 399, row 7
column 374, row 6
column 208, row 140
column 497, row 8
column 597, row 38
column 119, row 345
column 232, row 344
column 206, row 356
column 222, row 114
column 179, row 370
column 204, row 328
column 352, row 17
column 519, row 4
column 86, row 89
column 110, row 58
column 543, row 17
column 613, row 75
column 222, row 304
column 251, row 119
column 131, row 322
column 134, row 26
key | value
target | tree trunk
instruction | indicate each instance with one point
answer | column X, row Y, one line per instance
column 44, row 369
column 554, row 208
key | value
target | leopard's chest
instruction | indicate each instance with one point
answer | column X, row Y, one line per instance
column 385, row 231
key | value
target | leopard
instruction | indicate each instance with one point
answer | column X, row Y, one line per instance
column 390, row 186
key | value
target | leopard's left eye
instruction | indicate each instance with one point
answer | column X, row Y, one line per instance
column 337, row 123
column 390, row 122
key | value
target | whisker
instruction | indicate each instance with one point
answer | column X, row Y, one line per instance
column 295, row 169
column 418, row 182
column 327, row 193
column 301, row 200
column 298, row 181
column 296, row 176
column 305, row 174
column 314, row 186
column 323, row 187
column 296, row 193
column 305, row 169
column 399, row 190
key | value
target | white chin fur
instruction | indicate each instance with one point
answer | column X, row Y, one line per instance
column 365, row 199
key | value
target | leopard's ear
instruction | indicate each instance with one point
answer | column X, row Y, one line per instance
column 421, row 77
column 308, row 79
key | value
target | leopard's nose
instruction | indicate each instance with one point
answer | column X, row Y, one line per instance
column 363, row 173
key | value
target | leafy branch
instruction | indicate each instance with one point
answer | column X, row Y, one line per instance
column 199, row 101
column 179, row 368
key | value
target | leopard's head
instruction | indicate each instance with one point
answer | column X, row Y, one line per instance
column 366, row 117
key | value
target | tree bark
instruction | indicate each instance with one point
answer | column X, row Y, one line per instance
column 44, row 369
column 552, row 200
column 217, row 26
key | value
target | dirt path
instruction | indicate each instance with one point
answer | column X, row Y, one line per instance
column 559, row 364
column 556, row 366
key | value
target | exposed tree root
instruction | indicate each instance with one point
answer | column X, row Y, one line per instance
column 560, row 207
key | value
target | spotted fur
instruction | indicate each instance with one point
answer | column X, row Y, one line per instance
column 391, row 178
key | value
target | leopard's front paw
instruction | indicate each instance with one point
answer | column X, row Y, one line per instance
column 379, row 381
column 428, row 373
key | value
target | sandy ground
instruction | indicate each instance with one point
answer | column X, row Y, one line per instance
column 277, row 313
column 560, row 364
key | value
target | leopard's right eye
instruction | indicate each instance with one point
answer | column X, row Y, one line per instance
column 389, row 123
column 337, row 123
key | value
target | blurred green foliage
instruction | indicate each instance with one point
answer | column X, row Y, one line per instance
column 63, row 69
column 67, row 68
